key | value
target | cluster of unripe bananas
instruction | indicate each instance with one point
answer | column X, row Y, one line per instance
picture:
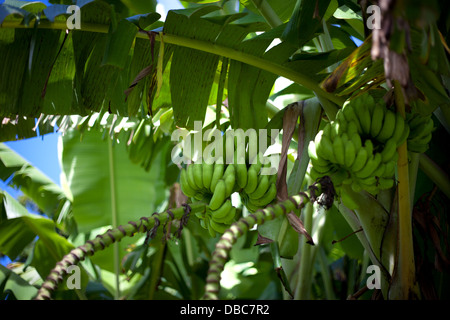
column 359, row 148
column 214, row 183
column 421, row 128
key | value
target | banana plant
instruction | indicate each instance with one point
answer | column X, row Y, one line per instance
column 359, row 137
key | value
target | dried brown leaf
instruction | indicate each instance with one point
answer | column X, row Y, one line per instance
column 298, row 226
column 290, row 118
column 262, row 240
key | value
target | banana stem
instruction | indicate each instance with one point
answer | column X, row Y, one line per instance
column 237, row 229
column 413, row 169
column 325, row 272
column 156, row 270
column 114, row 216
column 267, row 12
column 404, row 279
column 304, row 280
column 80, row 253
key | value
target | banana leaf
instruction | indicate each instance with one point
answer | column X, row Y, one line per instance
column 12, row 286
column 106, row 187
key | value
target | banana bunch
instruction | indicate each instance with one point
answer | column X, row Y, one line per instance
column 421, row 132
column 141, row 147
column 359, row 148
column 212, row 184
column 259, row 189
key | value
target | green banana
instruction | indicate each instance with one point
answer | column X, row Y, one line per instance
column 389, row 171
column 387, row 130
column 321, row 169
column 419, row 145
column 340, row 118
column 360, row 160
column 364, row 118
column 399, row 128
column 356, row 140
column 312, row 173
column 350, row 154
column 217, row 175
column 201, row 215
column 324, row 146
column 191, row 178
column 339, row 176
column 384, row 183
column 202, row 223
column 222, row 211
column 207, row 174
column 356, row 187
column 313, row 155
column 370, row 104
column 218, row 227
column 184, row 183
column 425, row 132
column 229, row 177
column 379, row 172
column 416, row 120
column 251, row 207
column 252, row 180
column 211, row 231
column 263, row 185
column 198, row 174
column 368, row 182
column 389, row 150
column 372, row 164
column 403, row 136
column 327, row 130
column 352, row 129
column 336, row 130
column 218, row 196
column 200, row 196
column 241, row 174
column 368, row 144
column 344, row 137
column 338, row 150
column 377, row 120
column 420, row 126
column 420, row 133
column 350, row 115
column 229, row 218
column 268, row 197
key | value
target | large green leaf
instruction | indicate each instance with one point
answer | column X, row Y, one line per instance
column 49, row 197
column 11, row 283
column 250, row 87
column 305, row 21
column 106, row 187
column 192, row 72
column 283, row 9
column 315, row 63
column 18, row 229
column 102, row 179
